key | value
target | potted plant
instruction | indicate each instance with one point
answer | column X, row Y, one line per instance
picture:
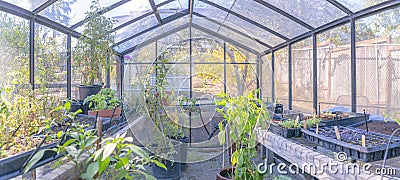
column 104, row 104
column 243, row 114
column 92, row 50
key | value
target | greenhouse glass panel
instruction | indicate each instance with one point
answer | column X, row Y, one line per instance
column 136, row 27
column 205, row 9
column 129, row 11
column 146, row 54
column 266, row 70
column 241, row 79
column 205, row 23
column 356, row 5
column 281, row 76
column 313, row 12
column 14, row 49
column 275, row 21
column 378, row 63
column 208, row 79
column 242, row 39
column 67, row 13
column 239, row 55
column 76, row 75
column 206, row 50
column 50, row 64
column 302, row 76
column 176, row 23
column 175, row 47
column 172, row 8
column 334, row 68
column 27, row 4
column 253, row 30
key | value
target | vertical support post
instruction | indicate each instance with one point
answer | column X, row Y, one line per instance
column 118, row 73
column 108, row 78
column 122, row 76
column 273, row 76
column 190, row 83
column 353, row 65
column 315, row 80
column 224, row 67
column 258, row 77
column 32, row 53
column 69, row 67
column 290, row 76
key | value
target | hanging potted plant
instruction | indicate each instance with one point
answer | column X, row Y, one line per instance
column 92, row 50
column 243, row 115
column 104, row 104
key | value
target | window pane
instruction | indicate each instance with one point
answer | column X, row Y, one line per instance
column 205, row 9
column 143, row 54
column 268, row 18
column 242, row 39
column 172, row 8
column 241, row 79
column 302, row 76
column 27, row 4
column 129, row 11
column 266, row 72
column 205, row 23
column 136, row 27
column 281, row 75
column 67, row 13
column 356, row 5
column 312, row 12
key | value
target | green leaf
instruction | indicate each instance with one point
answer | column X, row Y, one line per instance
column 71, row 150
column 149, row 177
column 68, row 142
column 90, row 141
column 108, row 150
column 67, row 105
column 119, row 165
column 104, row 164
column 159, row 164
column 221, row 137
column 34, row 159
column 91, row 170
column 234, row 158
column 139, row 151
column 98, row 153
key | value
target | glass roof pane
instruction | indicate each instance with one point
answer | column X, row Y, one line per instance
column 356, row 5
column 205, row 9
column 27, row 4
column 171, row 8
column 205, row 23
column 106, row 3
column 176, row 23
column 313, row 12
column 129, row 11
column 136, row 27
column 67, row 13
column 253, row 30
column 241, row 39
column 268, row 18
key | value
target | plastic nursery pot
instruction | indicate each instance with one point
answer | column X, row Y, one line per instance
column 225, row 174
column 174, row 169
column 106, row 113
column 85, row 91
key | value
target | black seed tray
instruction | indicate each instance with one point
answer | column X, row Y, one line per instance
column 284, row 132
column 353, row 119
column 350, row 142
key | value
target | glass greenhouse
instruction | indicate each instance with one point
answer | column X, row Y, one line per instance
column 199, row 89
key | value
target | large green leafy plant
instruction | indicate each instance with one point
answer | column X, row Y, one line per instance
column 94, row 46
column 105, row 99
column 243, row 115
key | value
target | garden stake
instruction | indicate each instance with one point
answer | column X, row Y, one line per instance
column 337, row 132
column 363, row 141
column 15, row 131
column 112, row 115
column 319, row 110
column 64, row 131
column 95, row 122
column 33, row 153
column 316, row 130
column 366, row 122
column 304, row 125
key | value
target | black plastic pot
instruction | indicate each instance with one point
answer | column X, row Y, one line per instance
column 225, row 174
column 284, row 132
column 184, row 150
column 85, row 91
column 173, row 168
column 358, row 118
column 12, row 166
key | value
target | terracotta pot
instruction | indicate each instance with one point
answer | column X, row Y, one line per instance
column 106, row 113
column 223, row 174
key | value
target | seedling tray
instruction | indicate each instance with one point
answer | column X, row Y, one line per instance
column 284, row 132
column 350, row 142
column 352, row 119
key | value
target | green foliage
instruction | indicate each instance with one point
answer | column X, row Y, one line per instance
column 94, row 46
column 243, row 115
column 313, row 121
column 291, row 123
column 119, row 159
column 105, row 99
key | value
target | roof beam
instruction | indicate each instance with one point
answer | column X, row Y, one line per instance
column 44, row 6
column 205, row 30
column 246, row 19
column 132, row 21
column 101, row 12
column 149, row 41
column 284, row 13
column 23, row 13
column 153, row 6
column 233, row 29
column 166, row 21
column 191, row 4
column 164, row 3
column 340, row 6
column 357, row 15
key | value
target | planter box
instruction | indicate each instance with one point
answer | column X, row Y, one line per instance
column 376, row 143
column 284, row 132
column 352, row 119
column 12, row 166
column 106, row 113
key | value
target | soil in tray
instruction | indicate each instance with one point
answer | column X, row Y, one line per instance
column 381, row 127
column 354, row 136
